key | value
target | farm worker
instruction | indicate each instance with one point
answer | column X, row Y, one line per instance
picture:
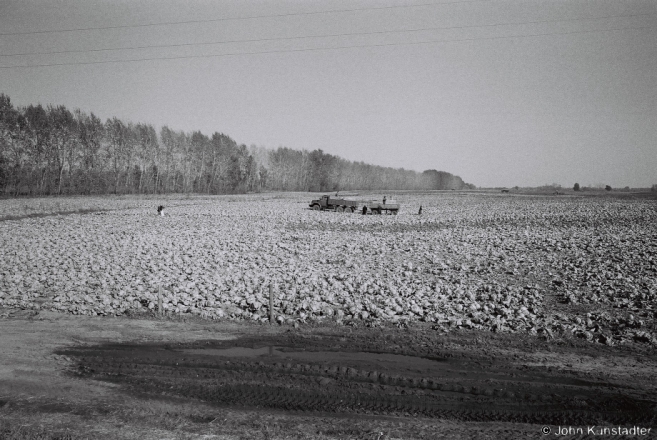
column 160, row 210
column 384, row 200
column 364, row 209
column 420, row 211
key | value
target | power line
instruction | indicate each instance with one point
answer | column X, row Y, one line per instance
column 253, row 17
column 322, row 36
column 314, row 49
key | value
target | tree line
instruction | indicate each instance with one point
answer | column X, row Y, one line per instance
column 53, row 151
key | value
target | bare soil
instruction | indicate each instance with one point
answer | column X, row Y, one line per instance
column 149, row 377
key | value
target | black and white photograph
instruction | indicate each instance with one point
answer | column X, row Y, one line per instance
column 328, row 219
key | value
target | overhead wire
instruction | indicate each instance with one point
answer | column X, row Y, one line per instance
column 313, row 49
column 253, row 17
column 346, row 34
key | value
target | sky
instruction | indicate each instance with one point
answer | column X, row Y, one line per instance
column 499, row 92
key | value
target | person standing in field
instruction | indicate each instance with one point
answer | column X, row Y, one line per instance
column 384, row 200
column 364, row 209
column 420, row 211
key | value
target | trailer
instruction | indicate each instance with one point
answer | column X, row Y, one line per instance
column 337, row 204
column 377, row 208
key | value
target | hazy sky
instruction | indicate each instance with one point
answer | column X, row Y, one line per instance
column 571, row 106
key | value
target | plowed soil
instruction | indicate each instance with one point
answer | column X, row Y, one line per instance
column 163, row 378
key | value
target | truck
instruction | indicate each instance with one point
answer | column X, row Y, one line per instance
column 338, row 204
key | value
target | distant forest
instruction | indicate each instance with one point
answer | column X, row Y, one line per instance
column 53, row 151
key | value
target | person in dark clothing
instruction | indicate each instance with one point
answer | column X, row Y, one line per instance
column 384, row 200
column 160, row 210
column 420, row 211
column 364, row 210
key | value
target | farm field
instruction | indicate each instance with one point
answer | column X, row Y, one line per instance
column 541, row 307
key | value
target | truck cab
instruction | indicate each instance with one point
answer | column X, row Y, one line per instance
column 321, row 203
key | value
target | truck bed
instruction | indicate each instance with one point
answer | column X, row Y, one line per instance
column 342, row 202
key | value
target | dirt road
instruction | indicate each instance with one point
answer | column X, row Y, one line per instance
column 162, row 378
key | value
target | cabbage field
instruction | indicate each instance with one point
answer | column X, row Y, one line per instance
column 549, row 266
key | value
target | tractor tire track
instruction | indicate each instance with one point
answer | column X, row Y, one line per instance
column 345, row 389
